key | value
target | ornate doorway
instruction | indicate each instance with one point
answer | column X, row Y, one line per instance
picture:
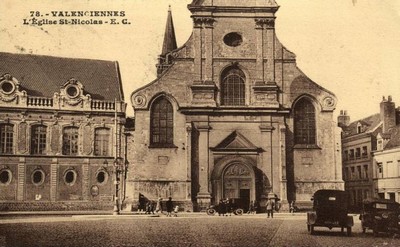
column 238, row 183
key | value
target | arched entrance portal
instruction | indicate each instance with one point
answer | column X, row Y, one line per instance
column 238, row 183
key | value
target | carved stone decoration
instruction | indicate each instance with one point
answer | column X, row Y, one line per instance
column 22, row 147
column 72, row 94
column 55, row 139
column 140, row 100
column 207, row 22
column 328, row 104
column 237, row 170
column 9, row 89
column 204, row 94
column 262, row 23
column 87, row 140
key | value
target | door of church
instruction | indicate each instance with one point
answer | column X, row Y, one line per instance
column 238, row 184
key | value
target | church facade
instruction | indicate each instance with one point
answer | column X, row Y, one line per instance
column 231, row 116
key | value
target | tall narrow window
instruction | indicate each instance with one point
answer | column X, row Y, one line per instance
column 70, row 141
column 162, row 123
column 233, row 87
column 38, row 139
column 102, row 142
column 6, row 138
column 304, row 122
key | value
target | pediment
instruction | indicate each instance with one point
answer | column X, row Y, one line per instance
column 236, row 142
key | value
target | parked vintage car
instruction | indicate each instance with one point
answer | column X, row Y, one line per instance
column 329, row 210
column 380, row 215
column 225, row 207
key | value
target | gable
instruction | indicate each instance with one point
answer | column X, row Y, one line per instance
column 236, row 142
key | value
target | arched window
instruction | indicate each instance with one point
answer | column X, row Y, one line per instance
column 233, row 87
column 162, row 123
column 6, row 138
column 304, row 122
column 70, row 141
column 102, row 142
column 38, row 139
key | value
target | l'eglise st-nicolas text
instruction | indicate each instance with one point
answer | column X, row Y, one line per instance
column 76, row 21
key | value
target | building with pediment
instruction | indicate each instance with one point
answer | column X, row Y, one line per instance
column 231, row 115
column 61, row 123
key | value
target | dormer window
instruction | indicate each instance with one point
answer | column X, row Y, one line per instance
column 7, row 84
column 359, row 128
column 72, row 91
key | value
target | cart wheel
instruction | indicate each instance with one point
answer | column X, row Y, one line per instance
column 210, row 211
column 348, row 231
column 312, row 232
column 239, row 211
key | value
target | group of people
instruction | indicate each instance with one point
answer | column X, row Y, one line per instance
column 150, row 207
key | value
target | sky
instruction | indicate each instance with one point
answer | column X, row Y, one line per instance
column 350, row 47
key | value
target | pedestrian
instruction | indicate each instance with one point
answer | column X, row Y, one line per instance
column 170, row 207
column 256, row 206
column 159, row 206
column 251, row 208
column 141, row 204
column 270, row 208
column 291, row 208
column 221, row 208
column 176, row 209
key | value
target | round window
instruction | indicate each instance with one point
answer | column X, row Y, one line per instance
column 101, row 177
column 233, row 39
column 7, row 87
column 72, row 91
column 38, row 177
column 5, row 177
column 70, row 177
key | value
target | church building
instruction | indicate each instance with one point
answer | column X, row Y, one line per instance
column 230, row 115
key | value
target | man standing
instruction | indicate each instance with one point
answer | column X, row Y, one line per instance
column 170, row 207
column 270, row 207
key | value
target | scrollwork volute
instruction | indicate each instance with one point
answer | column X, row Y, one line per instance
column 139, row 100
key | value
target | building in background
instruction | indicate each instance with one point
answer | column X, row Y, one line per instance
column 60, row 132
column 360, row 141
column 231, row 116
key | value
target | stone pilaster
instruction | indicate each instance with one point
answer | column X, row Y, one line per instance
column 53, row 179
column 21, row 179
column 203, row 196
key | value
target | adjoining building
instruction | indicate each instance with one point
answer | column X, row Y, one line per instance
column 364, row 142
column 61, row 123
column 231, row 116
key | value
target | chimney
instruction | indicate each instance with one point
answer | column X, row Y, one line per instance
column 388, row 113
column 343, row 119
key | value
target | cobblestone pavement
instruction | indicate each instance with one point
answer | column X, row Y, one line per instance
column 193, row 231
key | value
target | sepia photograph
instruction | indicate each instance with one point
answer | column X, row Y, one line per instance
column 199, row 123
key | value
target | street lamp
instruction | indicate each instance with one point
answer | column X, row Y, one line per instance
column 118, row 168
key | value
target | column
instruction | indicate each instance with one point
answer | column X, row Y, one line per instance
column 188, row 159
column 270, row 50
column 260, row 50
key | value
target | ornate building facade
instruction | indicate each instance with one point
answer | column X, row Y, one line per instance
column 231, row 116
column 60, row 132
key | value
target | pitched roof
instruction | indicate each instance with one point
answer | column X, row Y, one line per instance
column 368, row 124
column 44, row 75
column 394, row 141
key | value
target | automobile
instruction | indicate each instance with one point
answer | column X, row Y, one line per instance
column 380, row 215
column 233, row 205
column 329, row 210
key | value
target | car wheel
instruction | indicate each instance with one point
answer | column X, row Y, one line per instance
column 348, row 231
column 312, row 232
column 239, row 211
column 210, row 211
